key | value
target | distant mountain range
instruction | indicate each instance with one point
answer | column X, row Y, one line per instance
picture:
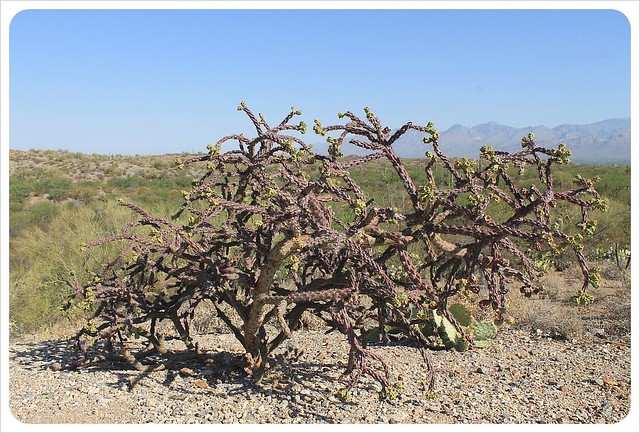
column 605, row 142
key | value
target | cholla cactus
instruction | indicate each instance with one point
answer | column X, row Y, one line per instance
column 258, row 233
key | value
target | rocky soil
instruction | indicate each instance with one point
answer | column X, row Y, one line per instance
column 523, row 377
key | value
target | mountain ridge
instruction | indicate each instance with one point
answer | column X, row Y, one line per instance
column 607, row 141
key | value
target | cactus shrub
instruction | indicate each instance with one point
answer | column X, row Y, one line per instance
column 271, row 230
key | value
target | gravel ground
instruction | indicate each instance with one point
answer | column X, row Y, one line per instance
column 523, row 377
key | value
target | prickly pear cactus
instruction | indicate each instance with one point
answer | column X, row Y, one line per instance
column 450, row 337
column 438, row 326
column 483, row 333
column 461, row 314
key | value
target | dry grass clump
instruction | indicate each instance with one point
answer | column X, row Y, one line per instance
column 553, row 312
column 548, row 317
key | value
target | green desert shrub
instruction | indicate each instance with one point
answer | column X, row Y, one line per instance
column 20, row 189
column 56, row 188
column 43, row 257
column 35, row 215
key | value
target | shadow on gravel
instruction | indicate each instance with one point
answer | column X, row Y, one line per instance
column 215, row 372
column 54, row 354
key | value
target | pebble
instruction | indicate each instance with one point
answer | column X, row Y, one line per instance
column 606, row 406
column 510, row 385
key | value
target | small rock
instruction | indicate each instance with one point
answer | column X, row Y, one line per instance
column 187, row 371
column 598, row 332
column 56, row 366
column 606, row 406
column 152, row 402
column 481, row 370
column 201, row 383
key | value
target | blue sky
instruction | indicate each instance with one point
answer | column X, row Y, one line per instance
column 151, row 82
